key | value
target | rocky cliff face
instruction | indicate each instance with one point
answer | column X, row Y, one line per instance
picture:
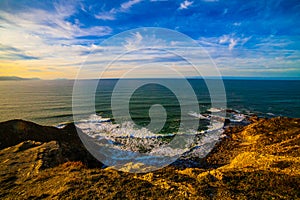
column 261, row 160
column 69, row 145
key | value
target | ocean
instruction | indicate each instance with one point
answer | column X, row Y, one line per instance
column 139, row 120
column 50, row 102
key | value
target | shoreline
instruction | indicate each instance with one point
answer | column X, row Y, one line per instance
column 132, row 140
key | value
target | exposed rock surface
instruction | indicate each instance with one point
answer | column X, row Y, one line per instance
column 258, row 161
column 69, row 145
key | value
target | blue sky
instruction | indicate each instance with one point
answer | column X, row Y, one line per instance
column 50, row 39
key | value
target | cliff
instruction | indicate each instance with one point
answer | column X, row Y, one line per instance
column 258, row 161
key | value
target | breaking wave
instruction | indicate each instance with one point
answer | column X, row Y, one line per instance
column 127, row 137
column 124, row 140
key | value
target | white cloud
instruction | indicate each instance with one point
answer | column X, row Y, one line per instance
column 185, row 4
column 133, row 42
column 223, row 39
column 111, row 14
column 65, row 8
column 237, row 23
column 157, row 0
column 49, row 24
column 262, row 55
column 127, row 5
column 210, row 0
column 232, row 43
column 47, row 36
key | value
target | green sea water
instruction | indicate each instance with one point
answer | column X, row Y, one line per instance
column 50, row 102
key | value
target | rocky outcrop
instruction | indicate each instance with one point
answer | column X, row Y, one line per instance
column 29, row 134
column 258, row 161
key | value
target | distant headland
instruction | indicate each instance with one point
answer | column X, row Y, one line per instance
column 16, row 78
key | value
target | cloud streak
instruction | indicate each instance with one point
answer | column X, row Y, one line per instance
column 112, row 13
column 185, row 4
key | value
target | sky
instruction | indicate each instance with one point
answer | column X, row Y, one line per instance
column 55, row 39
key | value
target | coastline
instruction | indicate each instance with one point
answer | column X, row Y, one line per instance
column 260, row 160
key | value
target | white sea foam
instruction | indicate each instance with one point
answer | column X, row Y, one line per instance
column 125, row 140
column 237, row 118
column 270, row 114
column 126, row 137
column 61, row 125
column 234, row 116
column 98, row 126
column 198, row 115
column 214, row 110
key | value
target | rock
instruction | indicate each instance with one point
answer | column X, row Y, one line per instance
column 26, row 145
column 258, row 161
column 70, row 146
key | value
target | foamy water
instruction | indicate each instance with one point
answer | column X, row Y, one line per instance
column 125, row 140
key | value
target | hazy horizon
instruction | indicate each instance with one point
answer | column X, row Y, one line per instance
column 116, row 78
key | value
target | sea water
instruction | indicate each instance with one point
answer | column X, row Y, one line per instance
column 50, row 103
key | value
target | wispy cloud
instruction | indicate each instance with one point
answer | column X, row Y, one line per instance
column 16, row 56
column 36, row 37
column 12, row 53
column 133, row 42
column 127, row 5
column 106, row 15
column 140, row 41
column 112, row 13
column 255, row 56
column 185, row 4
column 48, row 24
column 232, row 41
column 210, row 0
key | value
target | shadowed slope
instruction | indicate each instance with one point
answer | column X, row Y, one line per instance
column 16, row 131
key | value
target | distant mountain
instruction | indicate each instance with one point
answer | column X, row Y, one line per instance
column 61, row 79
column 15, row 78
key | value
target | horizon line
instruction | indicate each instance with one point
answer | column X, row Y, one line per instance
column 191, row 77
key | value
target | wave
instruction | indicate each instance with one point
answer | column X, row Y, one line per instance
column 124, row 140
column 214, row 110
column 238, row 118
column 127, row 137
column 233, row 116
column 198, row 115
column 96, row 126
